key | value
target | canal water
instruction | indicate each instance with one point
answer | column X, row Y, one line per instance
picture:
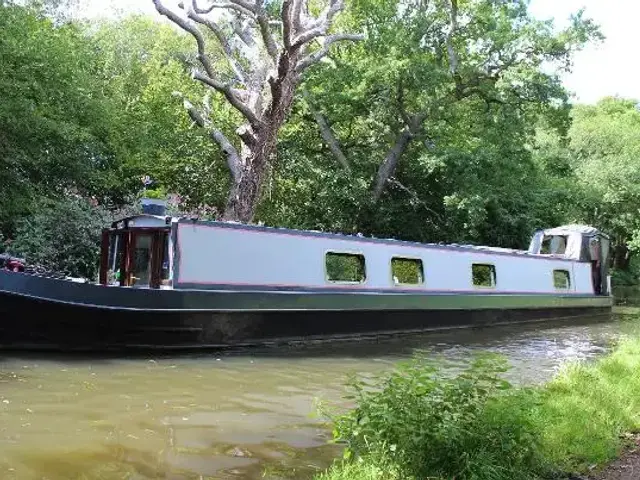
column 238, row 415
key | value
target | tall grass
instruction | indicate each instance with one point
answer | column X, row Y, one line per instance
column 418, row 423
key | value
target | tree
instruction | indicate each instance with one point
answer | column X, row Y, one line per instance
column 266, row 55
column 605, row 153
column 474, row 57
column 141, row 64
column 431, row 154
column 62, row 236
column 51, row 111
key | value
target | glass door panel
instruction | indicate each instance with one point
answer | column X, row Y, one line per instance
column 140, row 274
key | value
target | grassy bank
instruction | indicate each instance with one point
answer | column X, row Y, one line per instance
column 418, row 423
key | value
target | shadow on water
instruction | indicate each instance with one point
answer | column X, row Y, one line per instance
column 237, row 414
column 363, row 346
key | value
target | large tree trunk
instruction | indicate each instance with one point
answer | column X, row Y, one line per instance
column 244, row 194
column 246, row 189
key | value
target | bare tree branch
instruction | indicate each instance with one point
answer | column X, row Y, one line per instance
column 265, row 32
column 242, row 7
column 234, row 160
column 224, row 42
column 287, row 24
column 452, row 8
column 327, row 133
column 319, row 54
column 242, row 30
column 416, row 198
column 264, row 85
column 231, row 97
column 388, row 166
column 320, row 25
column 296, row 19
column 191, row 28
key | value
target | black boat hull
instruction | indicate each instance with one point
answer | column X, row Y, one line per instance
column 38, row 313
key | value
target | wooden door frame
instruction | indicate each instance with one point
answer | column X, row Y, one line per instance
column 127, row 241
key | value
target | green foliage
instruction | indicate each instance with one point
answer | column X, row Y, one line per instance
column 62, row 236
column 428, row 425
column 407, row 271
column 87, row 108
column 468, row 175
column 605, row 148
column 417, row 423
column 345, row 267
column 595, row 168
column 156, row 193
column 145, row 67
column 50, row 113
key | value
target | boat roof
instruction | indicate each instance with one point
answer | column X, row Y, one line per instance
column 561, row 230
column 574, row 228
column 159, row 218
column 356, row 237
column 7, row 256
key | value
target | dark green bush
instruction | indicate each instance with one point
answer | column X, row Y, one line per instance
column 62, row 235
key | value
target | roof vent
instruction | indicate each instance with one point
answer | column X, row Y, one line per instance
column 154, row 206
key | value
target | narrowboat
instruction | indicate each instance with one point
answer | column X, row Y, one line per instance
column 184, row 283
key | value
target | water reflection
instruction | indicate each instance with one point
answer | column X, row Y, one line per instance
column 246, row 414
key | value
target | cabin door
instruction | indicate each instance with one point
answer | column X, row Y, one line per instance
column 140, row 267
column 136, row 258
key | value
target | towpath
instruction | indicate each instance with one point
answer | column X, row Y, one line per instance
column 627, row 467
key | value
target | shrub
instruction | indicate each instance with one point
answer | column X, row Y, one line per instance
column 415, row 423
column 427, row 425
column 62, row 235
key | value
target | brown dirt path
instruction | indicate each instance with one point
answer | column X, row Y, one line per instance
column 627, row 467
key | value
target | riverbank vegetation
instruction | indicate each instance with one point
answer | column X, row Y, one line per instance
column 401, row 130
column 418, row 423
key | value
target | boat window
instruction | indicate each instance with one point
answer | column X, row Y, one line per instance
column 484, row 275
column 561, row 279
column 407, row 271
column 554, row 245
column 345, row 267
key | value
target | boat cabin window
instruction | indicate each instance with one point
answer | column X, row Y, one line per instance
column 483, row 275
column 561, row 279
column 554, row 245
column 345, row 267
column 407, row 271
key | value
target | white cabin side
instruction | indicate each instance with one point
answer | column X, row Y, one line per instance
column 214, row 254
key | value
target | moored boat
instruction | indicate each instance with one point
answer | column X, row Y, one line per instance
column 183, row 283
